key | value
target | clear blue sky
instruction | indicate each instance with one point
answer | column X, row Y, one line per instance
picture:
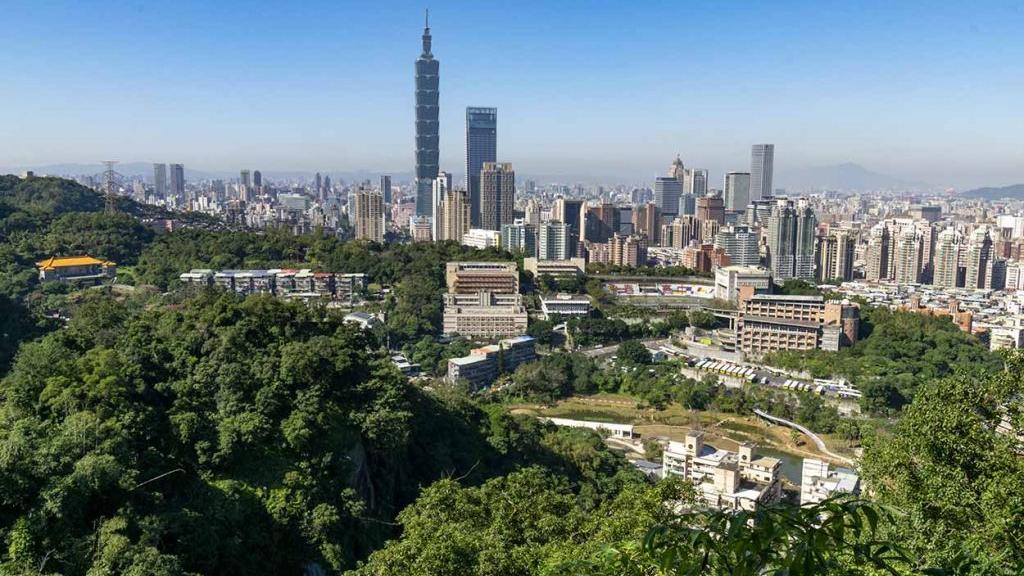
column 927, row 90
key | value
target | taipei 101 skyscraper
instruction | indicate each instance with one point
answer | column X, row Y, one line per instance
column 426, row 125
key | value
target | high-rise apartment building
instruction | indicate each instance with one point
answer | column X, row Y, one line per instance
column 647, row 222
column 497, row 195
column 519, row 236
column 439, row 189
column 160, row 180
column 178, row 182
column 979, row 257
column 427, row 125
column 762, row 165
column 782, row 235
column 928, row 235
column 876, row 259
column 553, row 242
column 481, row 148
column 835, row 256
column 369, row 215
column 741, row 244
column 806, row 229
column 907, row 257
column 532, row 212
column 947, row 259
column 627, row 250
column 451, row 211
column 385, row 188
column 791, row 241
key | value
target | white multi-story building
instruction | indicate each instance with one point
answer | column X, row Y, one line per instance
column 729, row 280
column 484, row 364
column 480, row 238
column 725, row 480
column 741, row 244
column 819, row 481
column 947, row 258
column 554, row 241
column 565, row 305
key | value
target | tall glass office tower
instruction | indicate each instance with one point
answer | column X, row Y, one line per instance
column 762, row 165
column 427, row 149
column 481, row 147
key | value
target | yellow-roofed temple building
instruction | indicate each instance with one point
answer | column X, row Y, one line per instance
column 75, row 269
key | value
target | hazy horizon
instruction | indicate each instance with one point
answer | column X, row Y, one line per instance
column 919, row 92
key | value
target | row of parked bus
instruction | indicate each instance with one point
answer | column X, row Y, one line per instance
column 726, row 369
column 802, row 386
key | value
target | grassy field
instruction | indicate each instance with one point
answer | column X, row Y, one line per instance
column 721, row 429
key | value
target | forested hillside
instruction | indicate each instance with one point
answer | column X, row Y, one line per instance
column 217, row 435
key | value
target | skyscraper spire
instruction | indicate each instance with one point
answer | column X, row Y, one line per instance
column 426, row 35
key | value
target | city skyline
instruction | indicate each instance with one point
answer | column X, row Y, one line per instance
column 890, row 89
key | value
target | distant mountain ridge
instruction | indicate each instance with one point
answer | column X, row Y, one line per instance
column 1013, row 191
column 843, row 177
column 145, row 171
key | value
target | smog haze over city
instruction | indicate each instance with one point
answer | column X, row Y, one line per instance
column 914, row 94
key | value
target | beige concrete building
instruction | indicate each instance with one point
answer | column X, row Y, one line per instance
column 484, row 315
column 628, row 250
column 369, row 215
column 769, row 323
column 555, row 268
column 474, row 277
column 451, row 216
column 420, row 229
column 647, row 222
column 725, row 480
column 497, row 195
column 729, row 280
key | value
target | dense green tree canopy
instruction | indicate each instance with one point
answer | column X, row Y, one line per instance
column 954, row 469
column 898, row 351
column 228, row 436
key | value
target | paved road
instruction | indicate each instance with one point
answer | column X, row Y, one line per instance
column 817, row 440
column 610, row 349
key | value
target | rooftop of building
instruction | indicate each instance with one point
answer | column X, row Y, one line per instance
column 560, row 297
column 468, row 360
column 812, row 298
column 780, row 321
column 741, row 269
column 55, row 262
